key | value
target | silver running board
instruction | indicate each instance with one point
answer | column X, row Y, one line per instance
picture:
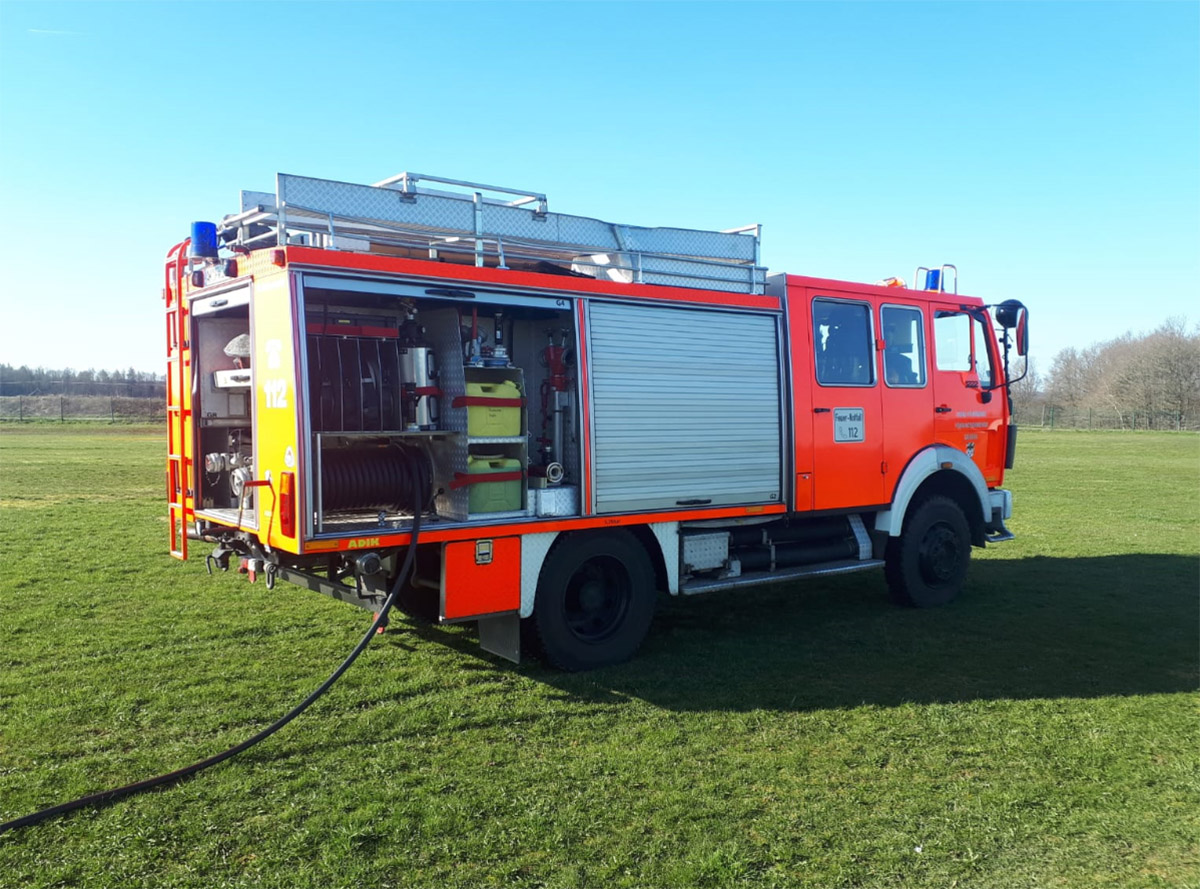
column 824, row 569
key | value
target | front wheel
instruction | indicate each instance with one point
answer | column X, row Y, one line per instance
column 595, row 600
column 927, row 563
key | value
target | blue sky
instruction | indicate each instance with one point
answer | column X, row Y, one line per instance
column 1051, row 151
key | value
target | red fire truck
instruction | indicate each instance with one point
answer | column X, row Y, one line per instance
column 572, row 414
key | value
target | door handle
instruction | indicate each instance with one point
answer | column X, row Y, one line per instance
column 820, row 410
column 942, row 409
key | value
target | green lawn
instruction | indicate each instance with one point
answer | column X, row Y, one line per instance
column 1039, row 732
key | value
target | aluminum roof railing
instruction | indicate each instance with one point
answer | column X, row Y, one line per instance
column 397, row 212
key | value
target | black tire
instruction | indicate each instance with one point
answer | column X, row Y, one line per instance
column 927, row 563
column 595, row 600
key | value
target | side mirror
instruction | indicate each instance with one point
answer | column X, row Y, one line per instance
column 1012, row 314
column 1023, row 333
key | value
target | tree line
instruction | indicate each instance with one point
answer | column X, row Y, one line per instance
column 129, row 383
column 1146, row 381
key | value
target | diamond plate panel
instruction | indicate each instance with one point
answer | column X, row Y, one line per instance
column 584, row 230
column 562, row 500
column 533, row 553
column 519, row 223
column 705, row 552
column 667, row 535
column 383, row 204
column 252, row 200
column 861, row 537
column 691, row 242
column 683, row 257
column 711, row 276
column 441, row 327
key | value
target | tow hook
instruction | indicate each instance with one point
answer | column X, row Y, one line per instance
column 219, row 557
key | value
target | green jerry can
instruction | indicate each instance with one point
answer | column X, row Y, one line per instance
column 503, row 495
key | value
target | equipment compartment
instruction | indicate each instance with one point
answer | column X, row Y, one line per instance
column 397, row 372
column 223, row 387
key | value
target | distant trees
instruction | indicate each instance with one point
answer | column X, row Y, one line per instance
column 129, row 383
column 1149, row 381
column 1028, row 386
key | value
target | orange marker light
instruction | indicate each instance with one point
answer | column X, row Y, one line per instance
column 287, row 504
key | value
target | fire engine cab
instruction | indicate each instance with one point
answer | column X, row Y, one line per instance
column 573, row 414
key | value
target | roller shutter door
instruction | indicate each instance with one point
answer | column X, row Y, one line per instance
column 686, row 407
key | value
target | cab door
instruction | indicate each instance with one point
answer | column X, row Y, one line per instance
column 908, row 404
column 967, row 415
column 847, row 421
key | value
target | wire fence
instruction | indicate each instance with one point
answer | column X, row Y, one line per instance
column 96, row 408
column 110, row 388
column 1054, row 416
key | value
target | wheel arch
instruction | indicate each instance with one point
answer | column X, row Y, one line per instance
column 661, row 542
column 939, row 470
column 534, row 549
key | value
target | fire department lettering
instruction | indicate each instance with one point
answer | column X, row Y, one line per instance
column 847, row 424
column 363, row 543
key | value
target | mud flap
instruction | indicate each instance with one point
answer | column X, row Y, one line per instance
column 501, row 636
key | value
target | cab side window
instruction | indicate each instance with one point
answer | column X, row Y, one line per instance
column 952, row 341
column 983, row 360
column 843, row 343
column 904, row 346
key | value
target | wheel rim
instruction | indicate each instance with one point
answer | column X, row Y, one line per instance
column 597, row 598
column 939, row 554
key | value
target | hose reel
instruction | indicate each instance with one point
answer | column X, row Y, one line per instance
column 372, row 478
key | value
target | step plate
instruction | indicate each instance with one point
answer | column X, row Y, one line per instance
column 823, row 570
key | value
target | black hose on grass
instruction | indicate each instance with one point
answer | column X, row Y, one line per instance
column 108, row 796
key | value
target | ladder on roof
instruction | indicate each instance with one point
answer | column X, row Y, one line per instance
column 180, row 471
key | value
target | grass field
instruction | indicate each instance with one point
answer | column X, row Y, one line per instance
column 1039, row 732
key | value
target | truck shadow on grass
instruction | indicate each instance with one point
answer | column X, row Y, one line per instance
column 1027, row 628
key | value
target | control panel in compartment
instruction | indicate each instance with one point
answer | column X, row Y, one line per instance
column 480, row 396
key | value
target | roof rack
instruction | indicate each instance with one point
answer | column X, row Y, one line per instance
column 491, row 226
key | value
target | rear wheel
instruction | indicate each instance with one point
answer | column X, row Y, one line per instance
column 927, row 563
column 595, row 600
